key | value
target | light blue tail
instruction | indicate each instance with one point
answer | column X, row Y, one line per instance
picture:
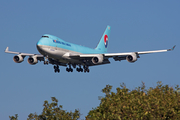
column 104, row 42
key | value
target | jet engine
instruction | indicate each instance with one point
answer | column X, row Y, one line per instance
column 32, row 60
column 18, row 58
column 132, row 58
column 98, row 59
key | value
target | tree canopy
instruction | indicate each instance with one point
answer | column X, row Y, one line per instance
column 160, row 102
column 51, row 111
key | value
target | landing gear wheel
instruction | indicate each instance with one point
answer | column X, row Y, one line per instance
column 86, row 68
column 67, row 69
column 56, row 69
column 77, row 69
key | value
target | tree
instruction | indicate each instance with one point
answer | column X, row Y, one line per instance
column 161, row 102
column 14, row 117
column 52, row 111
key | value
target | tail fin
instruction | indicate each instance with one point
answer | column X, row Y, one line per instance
column 104, row 41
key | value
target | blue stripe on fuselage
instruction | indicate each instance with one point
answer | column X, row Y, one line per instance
column 57, row 42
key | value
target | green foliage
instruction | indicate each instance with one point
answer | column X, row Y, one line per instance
column 161, row 102
column 14, row 117
column 52, row 111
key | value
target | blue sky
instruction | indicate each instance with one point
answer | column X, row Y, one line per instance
column 135, row 26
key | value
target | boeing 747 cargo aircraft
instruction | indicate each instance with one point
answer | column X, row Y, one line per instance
column 58, row 52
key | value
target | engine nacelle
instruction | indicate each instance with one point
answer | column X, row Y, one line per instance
column 132, row 58
column 32, row 60
column 98, row 59
column 18, row 59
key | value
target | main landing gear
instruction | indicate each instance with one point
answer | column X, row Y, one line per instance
column 69, row 69
column 79, row 69
column 56, row 69
column 86, row 69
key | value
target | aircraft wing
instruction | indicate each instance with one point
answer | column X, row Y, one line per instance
column 139, row 53
column 23, row 54
column 39, row 57
column 118, row 56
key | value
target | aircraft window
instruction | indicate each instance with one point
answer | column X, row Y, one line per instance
column 46, row 36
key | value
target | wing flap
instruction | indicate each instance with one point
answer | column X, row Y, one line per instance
column 86, row 59
column 117, row 58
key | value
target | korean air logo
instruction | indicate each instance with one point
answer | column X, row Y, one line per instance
column 105, row 41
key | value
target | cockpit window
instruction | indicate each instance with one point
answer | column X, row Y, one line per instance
column 45, row 36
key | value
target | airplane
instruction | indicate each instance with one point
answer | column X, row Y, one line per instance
column 58, row 52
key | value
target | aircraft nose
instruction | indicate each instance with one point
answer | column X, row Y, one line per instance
column 39, row 43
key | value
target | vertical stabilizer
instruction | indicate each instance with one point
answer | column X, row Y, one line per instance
column 104, row 41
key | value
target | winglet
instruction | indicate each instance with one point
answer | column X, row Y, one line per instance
column 7, row 49
column 171, row 48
